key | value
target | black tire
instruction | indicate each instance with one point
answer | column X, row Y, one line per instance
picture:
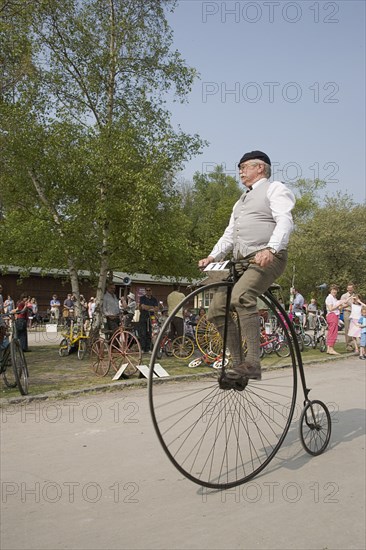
column 307, row 340
column 315, row 427
column 82, row 348
column 282, row 349
column 8, row 373
column 221, row 438
column 20, row 368
column 64, row 348
column 159, row 353
column 168, row 348
column 322, row 344
column 301, row 342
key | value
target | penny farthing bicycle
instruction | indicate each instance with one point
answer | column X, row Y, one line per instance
column 221, row 437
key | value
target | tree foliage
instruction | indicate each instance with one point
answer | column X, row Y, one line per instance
column 88, row 151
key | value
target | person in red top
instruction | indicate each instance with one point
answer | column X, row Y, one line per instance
column 21, row 312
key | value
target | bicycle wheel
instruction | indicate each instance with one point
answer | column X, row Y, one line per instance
column 322, row 344
column 208, row 339
column 99, row 357
column 64, row 348
column 216, row 437
column 159, row 353
column 124, row 348
column 82, row 347
column 168, row 348
column 19, row 366
column 307, row 340
column 282, row 349
column 195, row 363
column 182, row 347
column 8, row 372
column 315, row 427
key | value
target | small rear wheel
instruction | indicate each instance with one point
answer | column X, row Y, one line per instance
column 322, row 344
column 99, row 357
column 315, row 427
column 307, row 340
column 20, row 368
column 182, row 347
column 64, row 348
column 82, row 349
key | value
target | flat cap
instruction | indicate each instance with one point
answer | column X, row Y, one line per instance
column 255, row 155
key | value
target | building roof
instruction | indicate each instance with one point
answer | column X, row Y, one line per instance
column 118, row 276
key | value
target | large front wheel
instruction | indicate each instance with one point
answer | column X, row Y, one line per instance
column 216, row 437
column 125, row 349
column 20, row 368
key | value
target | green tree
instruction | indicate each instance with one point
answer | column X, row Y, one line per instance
column 208, row 205
column 88, row 151
column 329, row 247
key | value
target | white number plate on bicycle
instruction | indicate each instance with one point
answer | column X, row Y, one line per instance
column 217, row 271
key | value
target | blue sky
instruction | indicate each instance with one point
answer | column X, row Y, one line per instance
column 287, row 78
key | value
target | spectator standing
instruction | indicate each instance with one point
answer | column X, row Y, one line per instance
column 298, row 306
column 55, row 308
column 354, row 331
column 111, row 310
column 68, row 312
column 348, row 299
column 8, row 305
column 33, row 310
column 91, row 308
column 177, row 324
column 362, row 325
column 21, row 321
column 148, row 306
column 333, row 311
column 312, row 310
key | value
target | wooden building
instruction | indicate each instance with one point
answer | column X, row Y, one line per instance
column 42, row 286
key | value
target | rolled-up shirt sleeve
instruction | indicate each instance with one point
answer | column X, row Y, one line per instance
column 281, row 200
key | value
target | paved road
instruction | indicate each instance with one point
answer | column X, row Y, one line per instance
column 89, row 473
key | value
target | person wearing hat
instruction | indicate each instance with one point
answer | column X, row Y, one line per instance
column 259, row 230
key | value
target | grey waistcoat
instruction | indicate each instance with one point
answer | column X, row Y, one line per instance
column 253, row 222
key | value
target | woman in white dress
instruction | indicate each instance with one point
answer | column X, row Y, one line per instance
column 354, row 329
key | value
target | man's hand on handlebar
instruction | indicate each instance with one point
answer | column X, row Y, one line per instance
column 205, row 262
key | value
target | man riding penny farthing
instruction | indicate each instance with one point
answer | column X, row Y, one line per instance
column 226, row 426
column 258, row 231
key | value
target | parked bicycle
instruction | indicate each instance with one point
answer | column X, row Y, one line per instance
column 72, row 338
column 120, row 348
column 320, row 328
column 273, row 342
column 13, row 365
